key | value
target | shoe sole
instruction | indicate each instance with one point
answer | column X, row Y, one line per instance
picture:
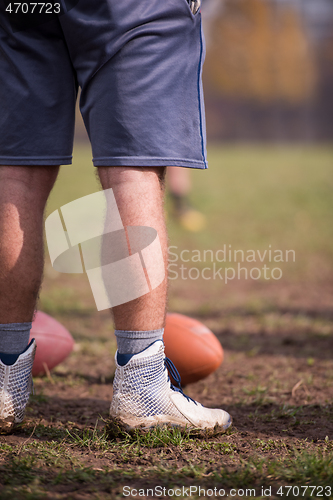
column 116, row 427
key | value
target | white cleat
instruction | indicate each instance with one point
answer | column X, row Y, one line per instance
column 15, row 388
column 144, row 397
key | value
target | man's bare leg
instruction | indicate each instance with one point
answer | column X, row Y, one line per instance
column 139, row 194
column 142, row 393
column 23, row 195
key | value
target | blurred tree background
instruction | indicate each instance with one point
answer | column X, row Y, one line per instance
column 268, row 73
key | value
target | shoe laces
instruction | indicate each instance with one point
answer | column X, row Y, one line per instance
column 172, row 370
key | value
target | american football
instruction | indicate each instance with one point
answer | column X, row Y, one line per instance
column 54, row 343
column 192, row 347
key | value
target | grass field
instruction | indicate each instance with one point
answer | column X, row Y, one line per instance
column 277, row 334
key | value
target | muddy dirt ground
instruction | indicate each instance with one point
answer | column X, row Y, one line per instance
column 276, row 379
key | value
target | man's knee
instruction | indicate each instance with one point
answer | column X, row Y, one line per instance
column 28, row 181
column 113, row 176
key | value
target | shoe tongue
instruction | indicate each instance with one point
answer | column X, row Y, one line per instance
column 123, row 359
column 8, row 359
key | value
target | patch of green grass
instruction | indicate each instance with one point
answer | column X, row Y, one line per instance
column 304, row 467
column 283, row 412
column 67, row 379
column 53, row 453
column 254, row 197
column 82, row 475
column 63, row 301
column 223, row 448
column 6, row 448
column 259, row 389
column 257, row 395
column 19, row 470
column 91, row 439
column 31, row 492
column 161, row 437
column 38, row 399
column 97, row 348
column 37, row 466
column 270, row 444
column 74, row 181
column 44, row 431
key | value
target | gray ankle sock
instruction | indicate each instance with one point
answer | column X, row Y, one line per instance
column 14, row 337
column 134, row 342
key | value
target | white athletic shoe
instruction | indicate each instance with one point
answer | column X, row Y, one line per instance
column 15, row 388
column 144, row 397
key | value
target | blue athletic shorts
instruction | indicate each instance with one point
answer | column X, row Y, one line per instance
column 138, row 63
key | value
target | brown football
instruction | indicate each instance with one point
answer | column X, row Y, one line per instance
column 53, row 340
column 192, row 347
